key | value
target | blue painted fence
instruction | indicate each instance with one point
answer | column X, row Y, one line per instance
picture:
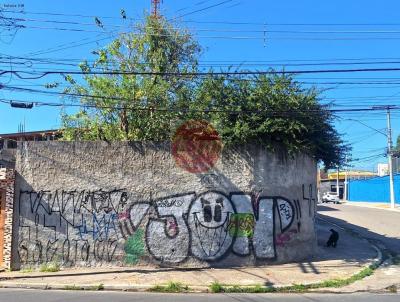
column 373, row 189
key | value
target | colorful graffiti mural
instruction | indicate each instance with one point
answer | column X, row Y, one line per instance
column 110, row 226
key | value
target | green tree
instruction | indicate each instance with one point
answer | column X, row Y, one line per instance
column 116, row 102
column 398, row 143
column 272, row 110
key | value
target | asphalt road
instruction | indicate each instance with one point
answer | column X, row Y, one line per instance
column 19, row 295
column 381, row 226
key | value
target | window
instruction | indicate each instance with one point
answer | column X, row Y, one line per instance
column 12, row 144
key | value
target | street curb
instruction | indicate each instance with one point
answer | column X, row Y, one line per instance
column 384, row 290
column 396, row 209
column 111, row 288
column 74, row 287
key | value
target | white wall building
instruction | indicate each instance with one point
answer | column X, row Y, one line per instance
column 383, row 169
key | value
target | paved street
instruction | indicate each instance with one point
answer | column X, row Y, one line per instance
column 81, row 296
column 376, row 224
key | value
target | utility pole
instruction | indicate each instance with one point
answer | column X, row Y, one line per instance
column 337, row 182
column 155, row 8
column 388, row 134
column 345, row 181
column 390, row 163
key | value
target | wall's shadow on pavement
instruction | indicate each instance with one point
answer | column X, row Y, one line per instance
column 350, row 248
column 392, row 244
column 322, row 208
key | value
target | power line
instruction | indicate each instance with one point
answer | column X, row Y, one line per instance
column 368, row 158
column 372, row 150
column 69, row 45
column 364, row 124
column 28, row 90
column 204, row 64
column 226, row 37
column 266, row 110
column 61, row 22
column 346, row 101
column 100, row 97
column 218, row 30
column 282, row 61
column 271, row 113
column 18, row 73
column 202, row 9
column 297, row 81
column 206, row 22
column 196, row 4
column 63, row 14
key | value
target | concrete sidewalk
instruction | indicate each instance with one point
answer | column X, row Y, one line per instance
column 351, row 256
column 374, row 205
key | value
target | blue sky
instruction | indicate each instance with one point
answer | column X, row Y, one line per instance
column 363, row 31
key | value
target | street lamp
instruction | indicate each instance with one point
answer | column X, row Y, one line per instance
column 21, row 105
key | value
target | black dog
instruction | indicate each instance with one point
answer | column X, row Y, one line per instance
column 333, row 239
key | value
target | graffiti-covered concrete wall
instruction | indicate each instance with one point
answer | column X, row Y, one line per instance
column 6, row 215
column 95, row 203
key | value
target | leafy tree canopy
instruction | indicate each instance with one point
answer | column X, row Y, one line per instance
column 398, row 143
column 272, row 110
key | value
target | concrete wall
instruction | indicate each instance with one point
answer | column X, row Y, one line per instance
column 7, row 158
column 7, row 186
column 94, row 203
column 374, row 189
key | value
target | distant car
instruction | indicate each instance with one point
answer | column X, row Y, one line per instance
column 330, row 197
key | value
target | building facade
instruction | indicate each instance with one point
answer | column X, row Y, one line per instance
column 328, row 181
column 9, row 142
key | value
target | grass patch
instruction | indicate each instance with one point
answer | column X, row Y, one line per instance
column 171, row 287
column 216, row 287
column 97, row 287
column 295, row 288
column 257, row 289
column 27, row 270
column 91, row 288
column 73, row 287
column 50, row 267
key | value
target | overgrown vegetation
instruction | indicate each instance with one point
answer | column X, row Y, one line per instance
column 171, row 287
column 29, row 269
column 97, row 287
column 50, row 267
column 216, row 287
column 162, row 91
column 73, row 287
column 90, row 288
column 219, row 288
